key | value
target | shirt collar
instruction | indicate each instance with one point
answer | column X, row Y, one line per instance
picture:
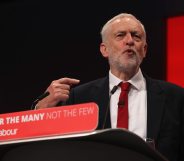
column 136, row 81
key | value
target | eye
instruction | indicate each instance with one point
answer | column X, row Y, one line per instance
column 136, row 36
column 120, row 35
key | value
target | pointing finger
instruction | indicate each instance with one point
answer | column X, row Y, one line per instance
column 69, row 81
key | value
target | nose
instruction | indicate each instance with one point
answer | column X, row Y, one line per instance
column 129, row 39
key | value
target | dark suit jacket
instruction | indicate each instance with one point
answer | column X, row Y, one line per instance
column 165, row 112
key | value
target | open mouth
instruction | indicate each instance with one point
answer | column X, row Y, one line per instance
column 129, row 51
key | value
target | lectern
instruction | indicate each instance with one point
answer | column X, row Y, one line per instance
column 107, row 145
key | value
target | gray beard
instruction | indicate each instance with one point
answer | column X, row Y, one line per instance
column 129, row 68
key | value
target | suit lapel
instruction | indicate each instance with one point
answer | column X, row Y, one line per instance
column 155, row 104
column 155, row 107
column 101, row 97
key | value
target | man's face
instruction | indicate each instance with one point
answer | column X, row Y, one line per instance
column 125, row 45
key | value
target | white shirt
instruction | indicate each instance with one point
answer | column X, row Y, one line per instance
column 137, row 103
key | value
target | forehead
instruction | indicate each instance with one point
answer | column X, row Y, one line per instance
column 126, row 24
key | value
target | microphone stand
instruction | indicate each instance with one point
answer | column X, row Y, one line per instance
column 108, row 105
column 38, row 99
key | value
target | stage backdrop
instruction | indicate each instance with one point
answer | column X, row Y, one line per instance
column 43, row 40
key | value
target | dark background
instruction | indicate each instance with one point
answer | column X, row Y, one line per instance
column 43, row 40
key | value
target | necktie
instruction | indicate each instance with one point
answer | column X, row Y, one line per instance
column 122, row 121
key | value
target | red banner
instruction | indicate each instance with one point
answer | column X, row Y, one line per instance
column 48, row 122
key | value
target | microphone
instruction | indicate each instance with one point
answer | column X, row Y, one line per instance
column 39, row 98
column 108, row 105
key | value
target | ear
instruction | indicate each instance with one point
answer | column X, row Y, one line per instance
column 145, row 49
column 104, row 50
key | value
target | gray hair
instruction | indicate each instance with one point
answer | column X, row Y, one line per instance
column 119, row 16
